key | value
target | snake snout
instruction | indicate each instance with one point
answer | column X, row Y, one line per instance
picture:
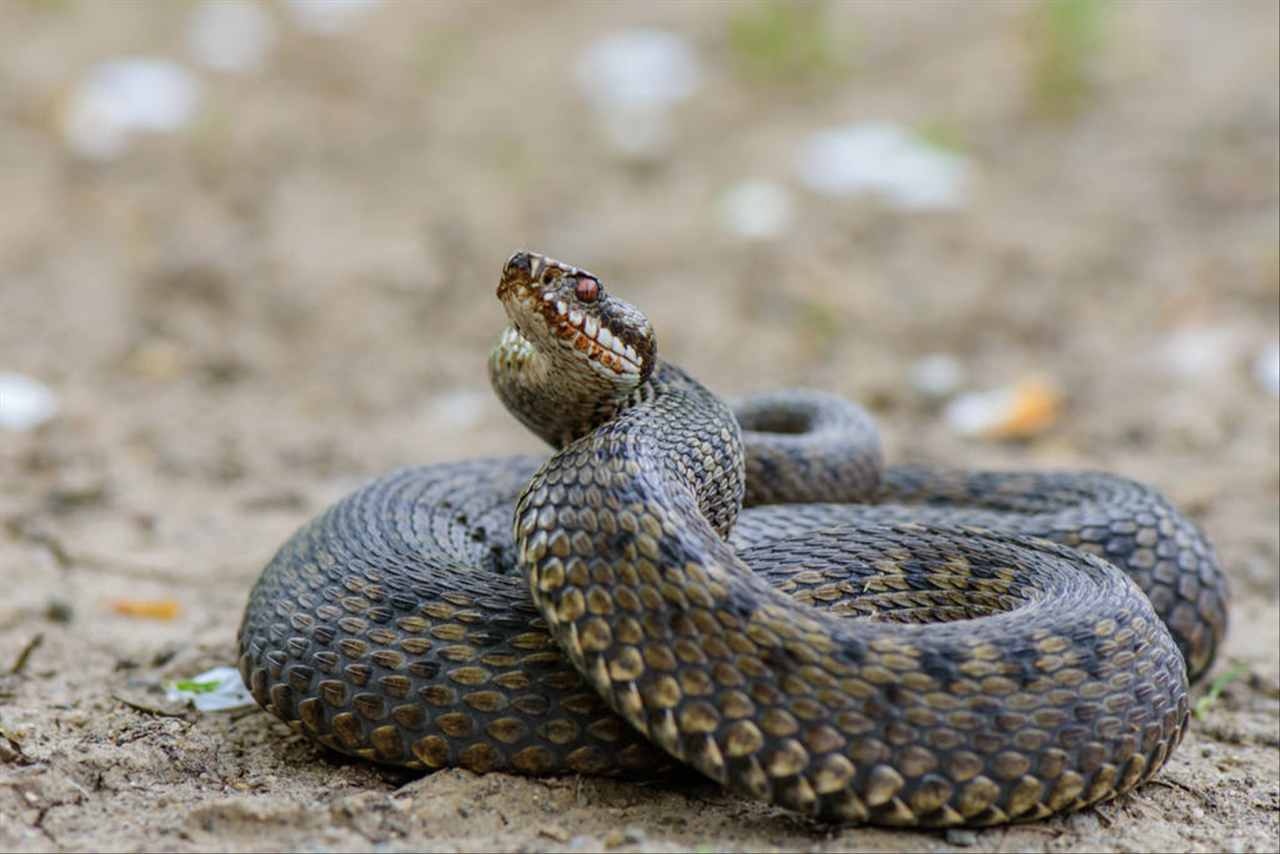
column 521, row 270
column 521, row 263
column 526, row 268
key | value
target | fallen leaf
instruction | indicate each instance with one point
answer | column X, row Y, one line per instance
column 154, row 609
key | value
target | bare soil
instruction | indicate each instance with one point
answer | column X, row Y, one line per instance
column 292, row 295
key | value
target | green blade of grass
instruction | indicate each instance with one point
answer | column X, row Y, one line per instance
column 1215, row 689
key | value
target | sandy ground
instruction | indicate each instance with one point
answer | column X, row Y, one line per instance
column 245, row 319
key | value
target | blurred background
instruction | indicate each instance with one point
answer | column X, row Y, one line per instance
column 248, row 249
column 248, row 253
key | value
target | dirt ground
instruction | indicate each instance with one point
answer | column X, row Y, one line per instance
column 293, row 293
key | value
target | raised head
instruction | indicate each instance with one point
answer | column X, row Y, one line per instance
column 556, row 305
column 572, row 354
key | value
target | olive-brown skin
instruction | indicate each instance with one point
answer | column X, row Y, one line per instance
column 1000, row 677
column 1069, row 691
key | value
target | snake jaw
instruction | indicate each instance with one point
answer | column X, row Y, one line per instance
column 572, row 355
column 586, row 334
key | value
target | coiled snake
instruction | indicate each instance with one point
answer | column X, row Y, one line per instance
column 511, row 614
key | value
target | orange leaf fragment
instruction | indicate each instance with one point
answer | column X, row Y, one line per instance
column 1032, row 408
column 154, row 609
column 1019, row 411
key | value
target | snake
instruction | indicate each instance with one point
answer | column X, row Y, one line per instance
column 745, row 589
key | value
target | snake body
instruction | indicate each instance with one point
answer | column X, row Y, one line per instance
column 613, row 606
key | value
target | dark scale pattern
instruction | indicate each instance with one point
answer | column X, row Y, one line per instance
column 380, row 630
column 808, row 446
column 1068, row 692
column 935, row 665
column 1126, row 523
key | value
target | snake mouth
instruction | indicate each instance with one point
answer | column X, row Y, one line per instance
column 548, row 300
column 589, row 335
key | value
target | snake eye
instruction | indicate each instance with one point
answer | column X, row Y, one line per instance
column 587, row 290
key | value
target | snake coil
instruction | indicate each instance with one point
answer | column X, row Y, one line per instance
column 956, row 648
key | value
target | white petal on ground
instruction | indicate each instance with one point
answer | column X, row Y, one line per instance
column 641, row 133
column 24, row 402
column 937, row 375
column 883, row 159
column 121, row 96
column 1018, row 411
column 230, row 35
column 637, row 69
column 1201, row 352
column 329, row 17
column 221, row 689
column 460, row 408
column 756, row 209
column 973, row 414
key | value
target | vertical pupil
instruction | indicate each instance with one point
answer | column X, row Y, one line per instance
column 587, row 290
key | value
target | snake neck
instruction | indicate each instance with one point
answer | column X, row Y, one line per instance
column 532, row 384
column 671, row 441
column 699, row 442
column 579, row 368
column 573, row 354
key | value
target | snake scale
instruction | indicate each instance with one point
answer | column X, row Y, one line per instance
column 899, row 646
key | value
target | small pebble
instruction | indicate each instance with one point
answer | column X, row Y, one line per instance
column 77, row 488
column 59, row 610
column 552, row 832
column 158, row 361
column 961, row 837
column 164, row 655
column 628, row 835
column 10, row 750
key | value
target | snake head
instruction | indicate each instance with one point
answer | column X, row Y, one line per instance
column 564, row 311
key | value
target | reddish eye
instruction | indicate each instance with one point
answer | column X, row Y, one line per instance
column 587, row 290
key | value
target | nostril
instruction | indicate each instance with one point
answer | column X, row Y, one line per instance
column 521, row 262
